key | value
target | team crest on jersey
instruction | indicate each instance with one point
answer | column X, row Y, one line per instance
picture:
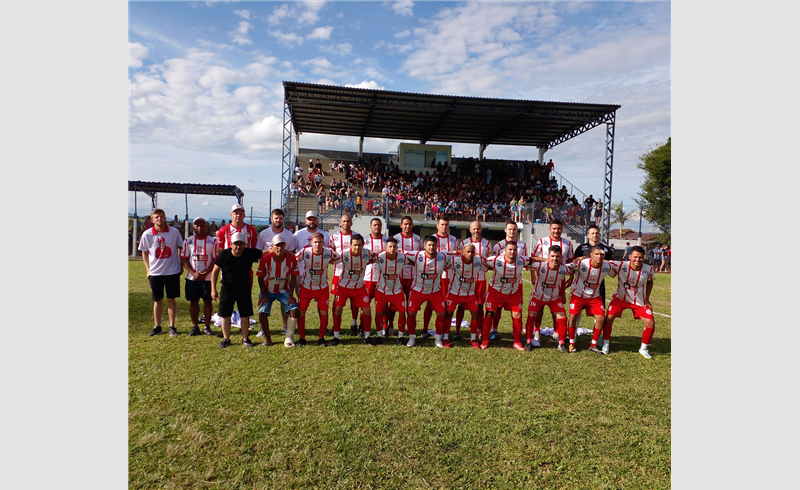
column 644, row 273
column 366, row 299
column 458, row 266
column 381, row 261
column 439, row 258
column 583, row 268
column 420, row 259
column 346, row 259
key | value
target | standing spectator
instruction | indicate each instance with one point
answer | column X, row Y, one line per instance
column 198, row 256
column 161, row 247
column 665, row 259
column 626, row 254
column 213, row 228
column 598, row 212
column 656, row 258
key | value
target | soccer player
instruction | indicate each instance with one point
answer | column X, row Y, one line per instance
column 340, row 241
column 429, row 265
column 549, row 276
column 375, row 244
column 449, row 245
column 407, row 241
column 512, row 235
column 541, row 250
column 302, row 238
column 277, row 276
column 389, row 289
column 593, row 238
column 236, row 265
column 237, row 225
column 314, row 285
column 161, row 248
column 482, row 250
column 351, row 287
column 635, row 282
column 198, row 256
column 589, row 273
column 505, row 290
column 462, row 294
column 265, row 238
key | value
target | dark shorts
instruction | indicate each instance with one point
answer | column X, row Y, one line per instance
column 171, row 283
column 197, row 290
column 242, row 298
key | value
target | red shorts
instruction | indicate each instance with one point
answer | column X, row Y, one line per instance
column 556, row 306
column 406, row 283
column 358, row 297
column 371, row 287
column 470, row 302
column 435, row 300
column 618, row 306
column 322, row 296
column 512, row 302
column 593, row 306
column 334, row 284
column 480, row 291
column 397, row 302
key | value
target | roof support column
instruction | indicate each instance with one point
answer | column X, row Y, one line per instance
column 296, row 145
column 542, row 151
column 361, row 147
column 288, row 169
column 605, row 221
column 481, row 150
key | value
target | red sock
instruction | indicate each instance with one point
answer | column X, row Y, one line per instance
column 607, row 330
column 474, row 324
column 495, row 320
column 323, row 325
column 459, row 319
column 337, row 322
column 561, row 328
column 426, row 317
column 353, row 311
column 647, row 336
column 401, row 322
column 529, row 328
column 412, row 325
column 301, row 326
column 598, row 329
column 572, row 334
column 487, row 327
column 379, row 319
column 517, row 328
column 366, row 320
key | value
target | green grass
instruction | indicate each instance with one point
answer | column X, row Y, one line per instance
column 356, row 416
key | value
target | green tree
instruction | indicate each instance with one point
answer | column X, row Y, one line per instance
column 618, row 215
column 655, row 197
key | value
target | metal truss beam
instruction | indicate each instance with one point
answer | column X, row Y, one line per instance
column 438, row 124
column 605, row 221
column 593, row 124
column 287, row 167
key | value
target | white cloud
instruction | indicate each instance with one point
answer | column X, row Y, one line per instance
column 321, row 33
column 137, row 52
column 318, row 65
column 403, row 8
column 343, row 49
column 303, row 13
column 244, row 14
column 402, row 34
column 265, row 134
column 288, row 39
column 372, row 84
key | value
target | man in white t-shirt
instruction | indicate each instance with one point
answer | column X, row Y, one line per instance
column 198, row 256
column 161, row 247
column 264, row 242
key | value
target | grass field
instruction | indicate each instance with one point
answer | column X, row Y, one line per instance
column 358, row 416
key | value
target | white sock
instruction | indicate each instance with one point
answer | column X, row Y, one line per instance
column 644, row 346
column 606, row 342
column 381, row 333
column 411, row 336
column 335, row 335
column 366, row 335
column 438, row 337
column 446, row 336
column 399, row 335
column 473, row 336
column 354, row 323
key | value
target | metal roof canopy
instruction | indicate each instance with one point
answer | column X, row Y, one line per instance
column 371, row 113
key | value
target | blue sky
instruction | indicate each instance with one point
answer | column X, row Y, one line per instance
column 206, row 93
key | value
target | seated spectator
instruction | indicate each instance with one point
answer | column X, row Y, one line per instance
column 428, row 211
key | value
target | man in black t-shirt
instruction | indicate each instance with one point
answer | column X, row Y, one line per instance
column 235, row 263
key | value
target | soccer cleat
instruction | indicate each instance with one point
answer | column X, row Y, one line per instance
column 155, row 331
column 438, row 343
column 475, row 344
column 195, row 331
column 494, row 335
column 424, row 334
column 605, row 348
column 555, row 336
column 411, row 342
column 485, row 345
column 595, row 350
column 644, row 353
column 224, row 343
column 207, row 330
column 402, row 340
column 390, row 331
column 447, row 344
column 572, row 349
column 322, row 343
column 173, row 332
column 261, row 332
column 456, row 336
column 287, row 342
column 377, row 340
column 246, row 342
column 369, row 341
column 562, row 348
column 334, row 342
column 528, row 346
column 535, row 343
column 360, row 332
column 301, row 342
column 267, row 343
column 353, row 330
column 518, row 346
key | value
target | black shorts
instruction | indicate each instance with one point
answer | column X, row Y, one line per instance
column 358, row 207
column 243, row 299
column 172, row 283
column 196, row 290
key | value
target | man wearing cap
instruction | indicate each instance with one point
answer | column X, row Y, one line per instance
column 237, row 225
column 302, row 238
column 264, row 241
column 160, row 247
column 236, row 265
column 277, row 278
column 197, row 257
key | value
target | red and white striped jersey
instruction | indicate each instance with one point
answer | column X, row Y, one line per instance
column 265, row 239
column 354, row 269
column 482, row 249
column 276, row 273
column 408, row 244
column 427, row 271
column 340, row 242
column 389, row 273
column 542, row 248
column 224, row 236
column 315, row 276
column 448, row 245
column 465, row 276
column 547, row 286
column 376, row 246
column 506, row 276
column 201, row 254
column 500, row 247
column 303, row 238
column 587, row 278
column 631, row 284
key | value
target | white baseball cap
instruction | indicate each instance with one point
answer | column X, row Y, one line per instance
column 198, row 220
column 312, row 214
column 237, row 206
column 238, row 237
column 278, row 239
